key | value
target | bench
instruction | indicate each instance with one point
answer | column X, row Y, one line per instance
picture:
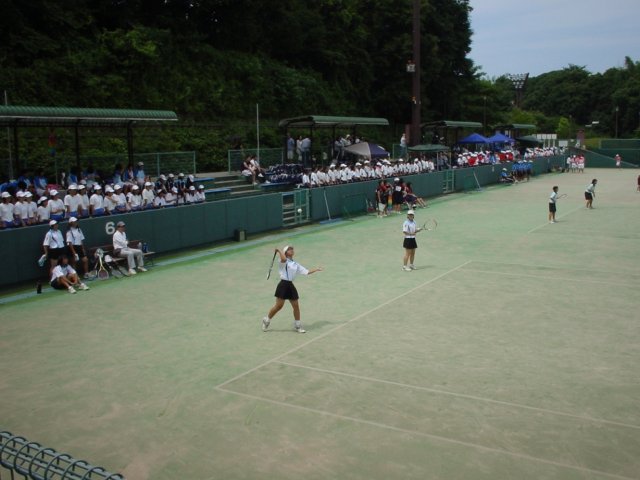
column 218, row 192
column 276, row 186
column 108, row 250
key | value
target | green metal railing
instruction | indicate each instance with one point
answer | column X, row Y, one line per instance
column 35, row 462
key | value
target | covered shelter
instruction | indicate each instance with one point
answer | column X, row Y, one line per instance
column 474, row 138
column 368, row 150
column 17, row 117
column 448, row 130
column 500, row 138
column 313, row 122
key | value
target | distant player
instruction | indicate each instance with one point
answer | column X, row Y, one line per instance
column 590, row 193
column 286, row 290
column 552, row 205
column 409, row 230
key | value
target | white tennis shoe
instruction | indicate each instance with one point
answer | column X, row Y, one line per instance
column 71, row 290
column 300, row 330
column 132, row 271
column 265, row 323
column 406, row 269
column 412, row 267
column 142, row 269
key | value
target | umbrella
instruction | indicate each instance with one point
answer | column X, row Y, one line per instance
column 473, row 138
column 366, row 149
column 500, row 138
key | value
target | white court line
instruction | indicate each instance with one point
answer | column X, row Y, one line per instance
column 358, row 317
column 559, row 216
column 428, row 435
column 461, row 395
column 549, row 277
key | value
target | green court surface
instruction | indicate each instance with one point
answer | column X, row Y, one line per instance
column 513, row 351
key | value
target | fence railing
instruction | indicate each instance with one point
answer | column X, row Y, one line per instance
column 35, row 462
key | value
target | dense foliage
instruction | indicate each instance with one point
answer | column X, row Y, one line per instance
column 212, row 61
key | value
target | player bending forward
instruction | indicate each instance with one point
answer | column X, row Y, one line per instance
column 286, row 290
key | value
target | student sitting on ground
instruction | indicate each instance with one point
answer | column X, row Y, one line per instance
column 64, row 276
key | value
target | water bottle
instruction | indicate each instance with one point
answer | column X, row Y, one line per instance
column 145, row 248
column 39, row 287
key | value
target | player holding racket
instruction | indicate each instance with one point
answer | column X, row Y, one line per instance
column 286, row 290
column 590, row 193
column 409, row 230
column 552, row 205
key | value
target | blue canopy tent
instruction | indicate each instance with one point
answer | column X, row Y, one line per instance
column 368, row 150
column 500, row 138
column 474, row 138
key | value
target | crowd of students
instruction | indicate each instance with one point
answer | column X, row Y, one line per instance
column 32, row 201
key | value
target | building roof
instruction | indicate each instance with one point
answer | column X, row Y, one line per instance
column 516, row 126
column 451, row 124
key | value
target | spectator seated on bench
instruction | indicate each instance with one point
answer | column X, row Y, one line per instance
column 121, row 249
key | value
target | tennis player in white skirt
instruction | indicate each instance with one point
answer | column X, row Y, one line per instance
column 286, row 290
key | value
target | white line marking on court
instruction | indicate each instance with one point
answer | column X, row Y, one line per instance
column 358, row 317
column 428, row 435
column 461, row 395
column 527, row 275
column 559, row 216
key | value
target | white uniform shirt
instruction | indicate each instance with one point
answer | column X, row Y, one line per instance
column 148, row 196
column 73, row 202
column 6, row 212
column 53, row 239
column 552, row 197
column 409, row 229
column 21, row 210
column 75, row 236
column 61, row 271
column 110, row 203
column 120, row 240
column 290, row 269
column 44, row 213
column 56, row 206
column 591, row 189
column 85, row 201
column 121, row 200
column 96, row 201
column 134, row 200
column 32, row 209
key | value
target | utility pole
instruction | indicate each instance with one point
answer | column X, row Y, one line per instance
column 10, row 170
column 416, row 132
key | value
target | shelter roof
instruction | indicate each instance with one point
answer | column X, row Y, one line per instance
column 429, row 148
column 451, row 124
column 516, row 126
column 13, row 115
column 322, row 121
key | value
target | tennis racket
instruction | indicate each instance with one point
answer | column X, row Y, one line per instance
column 273, row 260
column 103, row 274
column 564, row 195
column 430, row 224
column 111, row 267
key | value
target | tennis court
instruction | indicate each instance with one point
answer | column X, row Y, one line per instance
column 511, row 352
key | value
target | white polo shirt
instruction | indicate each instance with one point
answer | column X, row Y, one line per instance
column 409, row 229
column 75, row 236
column 61, row 271
column 53, row 239
column 290, row 269
column 6, row 212
column 73, row 202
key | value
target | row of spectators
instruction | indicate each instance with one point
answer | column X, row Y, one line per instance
column 22, row 209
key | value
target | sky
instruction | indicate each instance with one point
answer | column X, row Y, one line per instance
column 539, row 36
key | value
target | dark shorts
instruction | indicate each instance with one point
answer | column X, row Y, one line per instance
column 54, row 253
column 410, row 243
column 57, row 285
column 588, row 196
column 286, row 290
column 552, row 207
column 397, row 198
column 80, row 251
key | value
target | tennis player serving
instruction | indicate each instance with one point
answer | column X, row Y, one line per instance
column 286, row 290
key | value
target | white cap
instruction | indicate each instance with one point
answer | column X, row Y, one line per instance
column 53, row 192
column 135, row 187
column 73, row 219
column 174, row 189
column 28, row 194
column 342, row 165
column 148, row 184
column 108, row 190
column 52, row 223
column 396, row 179
column 117, row 186
column 97, row 187
column 333, row 165
column 171, row 175
column 73, row 186
column 192, row 187
column 411, row 212
column 191, row 177
column 140, row 164
column 162, row 177
column 81, row 187
column 285, row 248
column 40, row 200
column 200, row 187
column 20, row 195
column 181, row 174
column 5, row 195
